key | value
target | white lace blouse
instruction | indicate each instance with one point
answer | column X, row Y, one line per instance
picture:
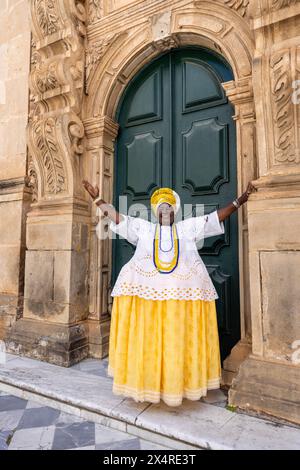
column 188, row 281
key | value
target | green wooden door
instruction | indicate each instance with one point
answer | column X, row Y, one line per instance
column 176, row 130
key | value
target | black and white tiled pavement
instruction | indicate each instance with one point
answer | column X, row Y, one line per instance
column 208, row 424
column 25, row 424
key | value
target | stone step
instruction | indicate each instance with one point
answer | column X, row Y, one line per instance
column 85, row 390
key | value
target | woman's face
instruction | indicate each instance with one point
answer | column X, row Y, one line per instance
column 165, row 214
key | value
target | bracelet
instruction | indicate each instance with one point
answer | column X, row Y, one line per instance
column 98, row 208
column 236, row 203
column 97, row 200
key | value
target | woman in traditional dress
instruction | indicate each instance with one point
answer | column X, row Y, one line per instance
column 164, row 342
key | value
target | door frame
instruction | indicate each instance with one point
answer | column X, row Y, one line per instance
column 145, row 70
column 102, row 129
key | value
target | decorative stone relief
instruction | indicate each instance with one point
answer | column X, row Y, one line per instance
column 95, row 52
column 238, row 5
column 277, row 4
column 282, row 64
column 53, row 16
column 45, row 141
column 55, row 130
column 166, row 43
column 95, row 10
column 31, row 180
column 47, row 16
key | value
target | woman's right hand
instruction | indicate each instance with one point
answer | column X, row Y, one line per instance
column 93, row 191
column 107, row 209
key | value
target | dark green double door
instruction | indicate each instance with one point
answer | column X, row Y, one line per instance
column 176, row 130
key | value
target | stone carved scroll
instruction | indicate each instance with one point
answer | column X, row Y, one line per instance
column 95, row 10
column 277, row 4
column 56, row 141
column 55, row 130
column 286, row 119
column 166, row 43
column 43, row 139
column 238, row 5
column 95, row 52
column 49, row 17
column 32, row 179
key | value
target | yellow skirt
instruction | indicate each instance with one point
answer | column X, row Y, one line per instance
column 164, row 349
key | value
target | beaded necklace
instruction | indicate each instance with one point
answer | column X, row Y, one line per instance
column 162, row 266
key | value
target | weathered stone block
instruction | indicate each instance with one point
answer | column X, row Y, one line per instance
column 59, row 234
column 9, row 269
column 280, row 274
column 63, row 345
column 79, row 278
column 275, row 224
column 39, row 272
column 47, row 234
column 61, row 278
column 11, row 307
column 10, row 222
column 56, row 286
column 99, row 337
column 267, row 386
column 51, row 311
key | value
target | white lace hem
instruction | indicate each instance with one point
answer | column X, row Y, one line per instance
column 176, row 293
column 155, row 396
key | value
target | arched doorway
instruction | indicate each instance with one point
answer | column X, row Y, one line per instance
column 176, row 129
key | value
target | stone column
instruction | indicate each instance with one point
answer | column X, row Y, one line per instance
column 240, row 94
column 54, row 324
column 101, row 133
column 269, row 379
column 15, row 196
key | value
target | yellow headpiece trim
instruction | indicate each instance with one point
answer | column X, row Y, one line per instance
column 162, row 195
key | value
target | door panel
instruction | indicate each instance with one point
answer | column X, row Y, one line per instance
column 176, row 129
column 204, row 162
column 142, row 164
column 213, row 171
column 195, row 97
column 147, row 101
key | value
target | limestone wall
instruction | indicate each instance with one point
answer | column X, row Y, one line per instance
column 14, row 95
column 270, row 378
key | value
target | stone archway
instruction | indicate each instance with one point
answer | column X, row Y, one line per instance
column 79, row 71
column 110, row 68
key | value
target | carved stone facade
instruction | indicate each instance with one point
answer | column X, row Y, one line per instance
column 57, row 229
column 55, row 129
column 83, row 55
column 15, row 195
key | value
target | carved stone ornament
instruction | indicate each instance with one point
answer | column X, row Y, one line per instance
column 44, row 139
column 277, row 4
column 47, row 16
column 55, row 130
column 95, row 52
column 166, row 43
column 32, row 179
column 95, row 10
column 284, row 111
column 238, row 5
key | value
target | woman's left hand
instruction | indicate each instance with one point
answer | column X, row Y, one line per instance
column 225, row 212
column 250, row 189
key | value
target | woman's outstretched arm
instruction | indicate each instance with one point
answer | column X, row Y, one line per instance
column 226, row 211
column 107, row 209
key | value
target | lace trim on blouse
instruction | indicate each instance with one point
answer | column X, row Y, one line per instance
column 176, row 293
